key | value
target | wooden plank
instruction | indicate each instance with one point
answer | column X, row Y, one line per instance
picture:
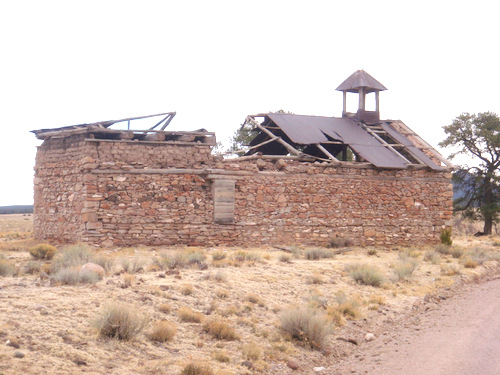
column 223, row 192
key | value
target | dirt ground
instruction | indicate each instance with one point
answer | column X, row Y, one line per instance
column 49, row 327
column 458, row 335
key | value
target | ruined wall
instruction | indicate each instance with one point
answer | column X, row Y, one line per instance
column 166, row 198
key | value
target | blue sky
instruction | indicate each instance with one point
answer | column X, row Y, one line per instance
column 214, row 62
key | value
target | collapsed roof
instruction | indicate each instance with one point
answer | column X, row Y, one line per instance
column 102, row 131
column 331, row 139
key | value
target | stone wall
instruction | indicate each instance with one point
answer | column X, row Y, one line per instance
column 138, row 193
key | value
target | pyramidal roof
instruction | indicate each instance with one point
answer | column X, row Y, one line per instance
column 358, row 79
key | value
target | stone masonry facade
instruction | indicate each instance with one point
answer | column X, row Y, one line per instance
column 123, row 193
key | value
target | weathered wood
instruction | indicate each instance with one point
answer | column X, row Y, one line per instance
column 223, row 191
column 327, row 153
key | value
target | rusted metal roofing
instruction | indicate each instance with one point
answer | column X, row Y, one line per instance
column 359, row 79
column 315, row 129
column 418, row 154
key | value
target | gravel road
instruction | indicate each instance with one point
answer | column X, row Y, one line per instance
column 457, row 336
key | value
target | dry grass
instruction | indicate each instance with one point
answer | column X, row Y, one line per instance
column 404, row 268
column 310, row 328
column 134, row 265
column 220, row 330
column 187, row 315
column 55, row 320
column 365, row 274
column 119, row 321
column 163, row 331
column 318, row 253
column 197, row 369
column 6, row 268
column 187, row 289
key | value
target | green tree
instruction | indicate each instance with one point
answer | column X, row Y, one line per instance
column 478, row 186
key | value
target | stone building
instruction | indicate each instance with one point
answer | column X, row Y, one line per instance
column 302, row 180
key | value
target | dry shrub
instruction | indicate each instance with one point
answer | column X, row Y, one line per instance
column 365, row 274
column 134, row 265
column 478, row 255
column 344, row 308
column 244, row 256
column 32, row 267
column 163, row 331
column 189, row 316
column 432, row 256
column 340, row 242
column 187, row 289
column 128, row 280
column 220, row 330
column 315, row 279
column 219, row 255
column 252, row 351
column 285, row 258
column 220, row 277
column 43, row 251
column 68, row 276
column 222, row 356
column 104, row 261
column 197, row 369
column 6, row 268
column 403, row 269
column 371, row 252
column 119, row 321
column 165, row 308
column 222, row 293
column 307, row 326
column 470, row 263
column 318, row 253
column 89, row 277
column 171, row 259
column 450, row 269
column 253, row 298
column 443, row 249
column 72, row 256
column 195, row 257
column 457, row 252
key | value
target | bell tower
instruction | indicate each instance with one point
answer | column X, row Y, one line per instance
column 362, row 83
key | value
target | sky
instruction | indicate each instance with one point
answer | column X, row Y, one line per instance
column 215, row 62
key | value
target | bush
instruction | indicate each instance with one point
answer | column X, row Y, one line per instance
column 456, row 252
column 197, row 369
column 220, row 330
column 432, row 256
column 306, row 326
column 105, row 262
column 252, row 351
column 171, row 260
column 315, row 279
column 445, row 237
column 165, row 308
column 189, row 316
column 187, row 289
column 344, row 308
column 340, row 242
column 404, row 269
column 285, row 258
column 371, row 252
column 443, row 249
column 219, row 255
column 365, row 274
column 32, row 267
column 120, row 322
column 195, row 257
column 133, row 265
column 318, row 253
column 6, row 268
column 43, row 251
column 89, row 277
column 68, row 276
column 163, row 331
column 72, row 256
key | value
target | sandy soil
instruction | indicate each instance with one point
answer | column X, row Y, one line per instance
column 459, row 335
column 52, row 326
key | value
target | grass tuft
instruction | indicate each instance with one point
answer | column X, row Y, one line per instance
column 306, row 326
column 365, row 274
column 163, row 331
column 220, row 330
column 318, row 253
column 187, row 315
column 119, row 321
column 197, row 369
column 134, row 265
column 6, row 268
column 404, row 268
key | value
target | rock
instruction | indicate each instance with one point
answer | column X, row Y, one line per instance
column 369, row 337
column 92, row 267
column 13, row 342
column 164, row 287
column 162, row 275
column 293, row 365
column 319, row 369
column 18, row 354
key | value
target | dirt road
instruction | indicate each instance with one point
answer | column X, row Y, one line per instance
column 459, row 336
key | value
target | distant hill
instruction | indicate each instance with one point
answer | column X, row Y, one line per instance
column 27, row 209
